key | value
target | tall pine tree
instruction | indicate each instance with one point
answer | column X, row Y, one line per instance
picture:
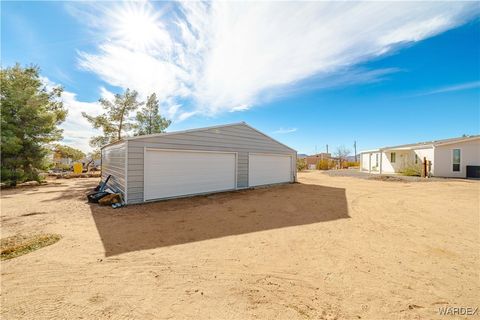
column 30, row 115
column 114, row 122
column 149, row 119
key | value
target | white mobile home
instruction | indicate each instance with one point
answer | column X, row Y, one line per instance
column 455, row 158
column 198, row 161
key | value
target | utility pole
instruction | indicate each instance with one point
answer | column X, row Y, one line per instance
column 327, row 148
column 355, row 147
column 315, row 149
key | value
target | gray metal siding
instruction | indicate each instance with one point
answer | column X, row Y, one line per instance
column 114, row 163
column 237, row 138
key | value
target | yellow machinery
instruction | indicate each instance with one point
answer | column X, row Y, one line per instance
column 77, row 168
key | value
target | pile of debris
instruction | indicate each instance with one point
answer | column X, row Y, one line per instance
column 105, row 196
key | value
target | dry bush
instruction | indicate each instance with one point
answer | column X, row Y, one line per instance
column 325, row 164
column 301, row 164
column 414, row 170
column 353, row 164
column 18, row 245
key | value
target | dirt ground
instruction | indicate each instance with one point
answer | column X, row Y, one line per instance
column 324, row 248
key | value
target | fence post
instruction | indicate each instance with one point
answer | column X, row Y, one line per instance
column 424, row 167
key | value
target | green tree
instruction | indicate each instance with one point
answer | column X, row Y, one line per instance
column 30, row 115
column 149, row 119
column 69, row 152
column 114, row 122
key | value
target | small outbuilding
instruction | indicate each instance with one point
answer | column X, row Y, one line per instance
column 198, row 161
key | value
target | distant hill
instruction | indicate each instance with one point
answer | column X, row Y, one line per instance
column 349, row 158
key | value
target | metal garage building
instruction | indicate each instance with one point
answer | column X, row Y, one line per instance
column 198, row 161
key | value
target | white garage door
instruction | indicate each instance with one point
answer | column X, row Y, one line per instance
column 269, row 169
column 177, row 173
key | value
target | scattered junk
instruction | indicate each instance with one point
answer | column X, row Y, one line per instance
column 102, row 185
column 77, row 168
column 91, row 165
column 105, row 196
column 71, row 175
column 66, row 168
column 117, row 205
column 110, row 199
column 94, row 197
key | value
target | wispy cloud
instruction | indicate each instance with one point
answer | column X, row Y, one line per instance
column 285, row 130
column 185, row 115
column 453, row 88
column 227, row 56
column 242, row 107
column 77, row 131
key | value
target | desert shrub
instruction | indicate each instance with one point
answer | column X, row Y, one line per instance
column 414, row 170
column 301, row 164
column 12, row 177
column 325, row 164
column 46, row 164
column 352, row 164
column 63, row 167
column 343, row 164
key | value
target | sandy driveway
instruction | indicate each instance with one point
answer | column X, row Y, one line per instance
column 327, row 248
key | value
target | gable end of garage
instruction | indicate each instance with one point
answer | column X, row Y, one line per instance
column 238, row 138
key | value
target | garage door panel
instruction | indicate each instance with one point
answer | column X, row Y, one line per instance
column 178, row 173
column 269, row 169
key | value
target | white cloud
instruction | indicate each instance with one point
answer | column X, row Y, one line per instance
column 185, row 115
column 227, row 56
column 107, row 95
column 241, row 107
column 285, row 130
column 453, row 88
column 49, row 84
column 77, row 131
column 124, row 68
column 172, row 110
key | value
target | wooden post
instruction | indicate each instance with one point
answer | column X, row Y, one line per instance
column 429, row 168
column 424, row 167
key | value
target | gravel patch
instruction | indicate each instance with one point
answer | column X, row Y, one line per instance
column 378, row 177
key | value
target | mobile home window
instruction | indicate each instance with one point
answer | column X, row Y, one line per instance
column 393, row 156
column 456, row 160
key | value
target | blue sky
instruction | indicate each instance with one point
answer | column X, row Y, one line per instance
column 308, row 74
